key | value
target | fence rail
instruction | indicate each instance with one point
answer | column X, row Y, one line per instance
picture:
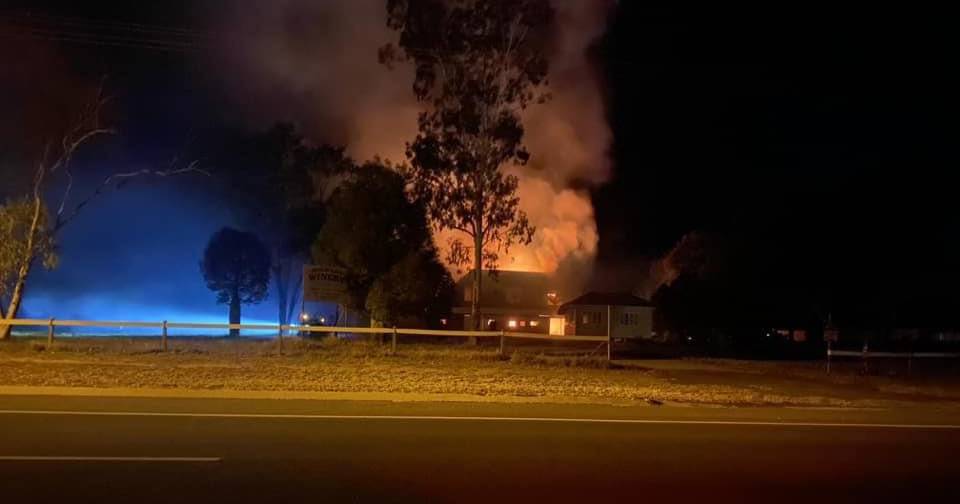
column 865, row 355
column 279, row 329
column 900, row 355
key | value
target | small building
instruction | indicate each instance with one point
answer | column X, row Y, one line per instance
column 631, row 317
column 515, row 301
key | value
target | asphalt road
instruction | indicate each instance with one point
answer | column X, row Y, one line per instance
column 70, row 449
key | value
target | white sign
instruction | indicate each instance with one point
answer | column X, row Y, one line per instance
column 324, row 283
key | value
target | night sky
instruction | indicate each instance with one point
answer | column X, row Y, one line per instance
column 821, row 140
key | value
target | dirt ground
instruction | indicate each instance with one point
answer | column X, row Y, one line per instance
column 332, row 365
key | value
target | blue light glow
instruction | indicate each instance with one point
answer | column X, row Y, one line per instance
column 134, row 255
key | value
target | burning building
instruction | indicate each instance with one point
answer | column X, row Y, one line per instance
column 516, row 301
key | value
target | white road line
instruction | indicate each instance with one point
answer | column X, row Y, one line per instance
column 295, row 416
column 70, row 458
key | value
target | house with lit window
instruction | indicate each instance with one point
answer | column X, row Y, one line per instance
column 516, row 301
column 626, row 316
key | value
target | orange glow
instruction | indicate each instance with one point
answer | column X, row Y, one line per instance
column 565, row 229
column 512, row 324
column 557, row 326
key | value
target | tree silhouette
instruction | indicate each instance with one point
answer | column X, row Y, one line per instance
column 371, row 225
column 479, row 63
column 236, row 265
column 272, row 180
column 418, row 286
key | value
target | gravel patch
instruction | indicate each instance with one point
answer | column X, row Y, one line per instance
column 336, row 366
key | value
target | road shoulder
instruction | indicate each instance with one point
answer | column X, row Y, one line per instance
column 372, row 407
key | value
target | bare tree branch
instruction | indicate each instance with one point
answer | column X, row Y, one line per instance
column 86, row 128
column 104, row 186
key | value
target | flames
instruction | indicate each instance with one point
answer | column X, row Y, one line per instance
column 566, row 229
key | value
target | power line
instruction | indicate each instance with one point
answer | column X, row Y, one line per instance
column 88, row 41
column 103, row 33
column 109, row 38
column 102, row 23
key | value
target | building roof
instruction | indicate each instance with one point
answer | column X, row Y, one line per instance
column 605, row 299
column 509, row 289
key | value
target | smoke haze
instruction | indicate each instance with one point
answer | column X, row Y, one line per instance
column 315, row 63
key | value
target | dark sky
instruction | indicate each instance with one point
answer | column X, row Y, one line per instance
column 725, row 115
column 821, row 139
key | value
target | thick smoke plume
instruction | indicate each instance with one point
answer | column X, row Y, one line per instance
column 315, row 63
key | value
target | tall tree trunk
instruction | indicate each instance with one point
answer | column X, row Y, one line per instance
column 279, row 277
column 3, row 328
column 475, row 298
column 293, row 295
column 289, row 281
column 25, row 263
column 475, row 314
column 235, row 313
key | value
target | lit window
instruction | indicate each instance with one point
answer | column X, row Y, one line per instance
column 523, row 323
column 586, row 318
column 512, row 323
column 534, row 323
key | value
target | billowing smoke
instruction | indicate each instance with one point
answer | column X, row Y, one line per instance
column 697, row 253
column 315, row 63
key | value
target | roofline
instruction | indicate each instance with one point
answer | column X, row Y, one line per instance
column 571, row 306
column 485, row 310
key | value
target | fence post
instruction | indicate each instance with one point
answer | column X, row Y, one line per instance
column 829, row 354
column 503, row 341
column 393, row 342
column 163, row 337
column 609, row 338
column 866, row 357
column 50, row 333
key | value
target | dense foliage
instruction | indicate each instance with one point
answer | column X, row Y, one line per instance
column 275, row 182
column 383, row 240
column 15, row 220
